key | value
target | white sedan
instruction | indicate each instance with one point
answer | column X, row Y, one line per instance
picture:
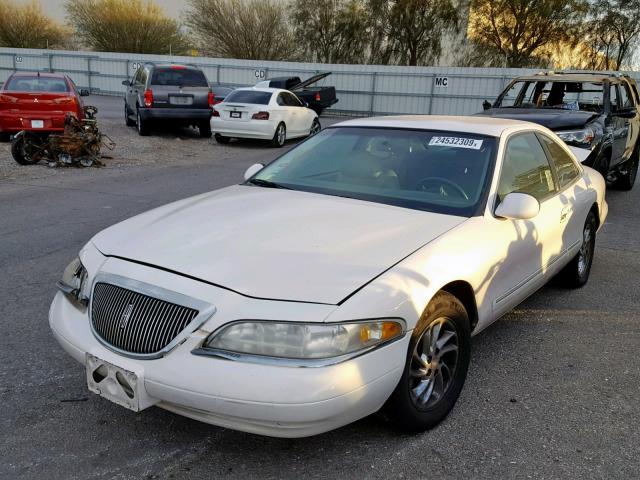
column 347, row 276
column 263, row 113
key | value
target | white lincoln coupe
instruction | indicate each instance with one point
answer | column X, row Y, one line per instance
column 346, row 276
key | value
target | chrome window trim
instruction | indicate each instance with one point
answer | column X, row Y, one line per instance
column 205, row 312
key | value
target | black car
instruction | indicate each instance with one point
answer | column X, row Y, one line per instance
column 316, row 98
column 596, row 111
column 179, row 94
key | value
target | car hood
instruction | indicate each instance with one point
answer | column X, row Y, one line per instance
column 275, row 244
column 553, row 119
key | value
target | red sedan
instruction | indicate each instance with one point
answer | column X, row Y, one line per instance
column 38, row 102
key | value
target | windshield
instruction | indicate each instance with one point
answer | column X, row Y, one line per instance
column 443, row 172
column 585, row 96
column 25, row 83
column 249, row 96
column 178, row 77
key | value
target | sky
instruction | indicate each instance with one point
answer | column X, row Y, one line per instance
column 55, row 8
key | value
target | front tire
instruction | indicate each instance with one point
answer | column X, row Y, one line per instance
column 625, row 180
column 602, row 164
column 280, row 136
column 436, row 366
column 315, row 127
column 576, row 273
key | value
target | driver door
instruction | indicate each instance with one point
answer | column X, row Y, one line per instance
column 526, row 251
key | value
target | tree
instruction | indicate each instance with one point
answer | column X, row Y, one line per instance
column 522, row 30
column 136, row 26
column 331, row 31
column 416, row 29
column 249, row 29
column 26, row 26
column 613, row 31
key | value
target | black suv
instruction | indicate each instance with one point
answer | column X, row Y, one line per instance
column 597, row 111
column 179, row 94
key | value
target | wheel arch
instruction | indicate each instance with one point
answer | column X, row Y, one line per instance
column 464, row 292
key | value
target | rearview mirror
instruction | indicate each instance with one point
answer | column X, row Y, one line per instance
column 252, row 170
column 85, row 93
column 486, row 105
column 518, row 206
column 126, row 83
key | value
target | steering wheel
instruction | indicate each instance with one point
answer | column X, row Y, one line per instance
column 427, row 184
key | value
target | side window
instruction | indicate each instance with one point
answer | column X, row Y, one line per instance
column 625, row 96
column 143, row 76
column 137, row 76
column 614, row 98
column 566, row 169
column 525, row 168
column 281, row 100
column 295, row 101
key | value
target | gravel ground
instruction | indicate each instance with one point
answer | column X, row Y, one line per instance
column 553, row 388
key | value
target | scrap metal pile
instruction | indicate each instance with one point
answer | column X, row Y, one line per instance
column 78, row 145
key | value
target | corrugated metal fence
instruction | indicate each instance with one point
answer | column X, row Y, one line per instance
column 362, row 89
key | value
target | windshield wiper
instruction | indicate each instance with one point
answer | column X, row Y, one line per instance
column 258, row 182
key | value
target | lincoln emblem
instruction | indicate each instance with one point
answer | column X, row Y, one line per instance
column 126, row 315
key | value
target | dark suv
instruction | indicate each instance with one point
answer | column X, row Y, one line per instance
column 596, row 111
column 179, row 94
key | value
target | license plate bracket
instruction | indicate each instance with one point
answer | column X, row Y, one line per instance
column 180, row 100
column 37, row 123
column 235, row 114
column 114, row 383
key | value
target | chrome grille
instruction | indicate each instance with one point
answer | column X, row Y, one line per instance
column 135, row 322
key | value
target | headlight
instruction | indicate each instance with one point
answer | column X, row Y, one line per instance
column 581, row 137
column 303, row 341
column 74, row 282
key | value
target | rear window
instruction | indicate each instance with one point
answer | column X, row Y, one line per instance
column 249, row 96
column 36, row 84
column 179, row 77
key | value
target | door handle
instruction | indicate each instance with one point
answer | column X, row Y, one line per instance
column 564, row 213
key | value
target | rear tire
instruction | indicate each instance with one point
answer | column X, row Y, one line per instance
column 576, row 273
column 280, row 136
column 143, row 125
column 436, row 366
column 127, row 117
column 205, row 129
column 18, row 153
column 222, row 140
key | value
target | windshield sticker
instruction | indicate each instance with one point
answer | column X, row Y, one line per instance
column 456, row 142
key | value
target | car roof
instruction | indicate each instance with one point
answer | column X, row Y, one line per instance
column 262, row 89
column 41, row 74
column 570, row 77
column 493, row 127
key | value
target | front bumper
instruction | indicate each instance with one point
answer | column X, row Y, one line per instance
column 185, row 114
column 257, row 129
column 263, row 399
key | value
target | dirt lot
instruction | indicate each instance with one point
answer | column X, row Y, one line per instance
column 553, row 388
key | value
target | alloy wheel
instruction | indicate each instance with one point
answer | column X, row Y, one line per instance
column 281, row 135
column 433, row 363
column 586, row 250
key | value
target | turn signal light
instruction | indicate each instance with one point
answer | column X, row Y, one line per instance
column 317, row 96
column 148, row 98
column 212, row 100
column 260, row 116
column 379, row 331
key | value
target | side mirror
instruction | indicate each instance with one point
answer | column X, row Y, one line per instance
column 126, row 83
column 85, row 93
column 252, row 170
column 486, row 105
column 518, row 206
column 629, row 112
column 306, row 104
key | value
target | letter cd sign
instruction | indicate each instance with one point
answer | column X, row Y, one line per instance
column 441, row 82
